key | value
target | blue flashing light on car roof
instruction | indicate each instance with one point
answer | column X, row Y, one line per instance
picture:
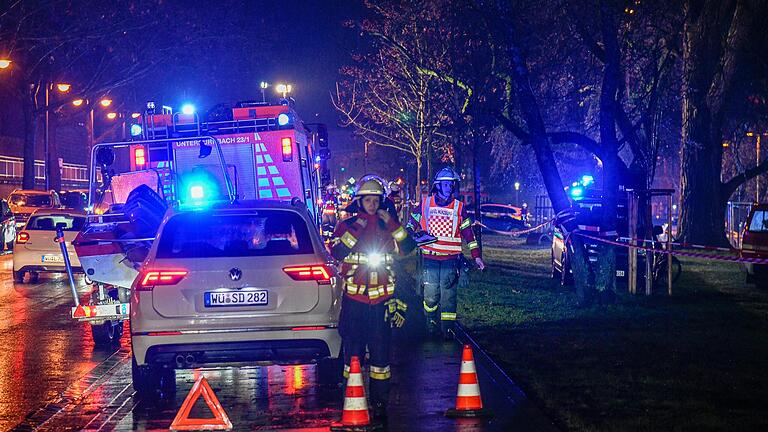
column 188, row 109
column 135, row 130
column 577, row 192
column 587, row 180
column 197, row 192
column 283, row 119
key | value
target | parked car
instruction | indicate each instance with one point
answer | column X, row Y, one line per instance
column 754, row 244
column 244, row 283
column 7, row 226
column 74, row 199
column 588, row 211
column 36, row 250
column 501, row 217
column 24, row 202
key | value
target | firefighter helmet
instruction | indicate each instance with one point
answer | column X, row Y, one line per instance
column 446, row 174
column 370, row 185
column 394, row 187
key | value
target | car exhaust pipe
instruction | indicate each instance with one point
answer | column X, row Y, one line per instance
column 180, row 363
column 190, row 359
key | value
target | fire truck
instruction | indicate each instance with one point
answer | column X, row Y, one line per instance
column 248, row 152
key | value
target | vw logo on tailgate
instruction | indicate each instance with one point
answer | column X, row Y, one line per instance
column 235, row 274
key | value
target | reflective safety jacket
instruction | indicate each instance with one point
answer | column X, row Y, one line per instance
column 366, row 246
column 449, row 223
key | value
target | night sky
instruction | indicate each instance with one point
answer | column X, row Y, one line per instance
column 305, row 45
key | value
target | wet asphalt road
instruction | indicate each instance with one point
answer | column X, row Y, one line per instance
column 52, row 378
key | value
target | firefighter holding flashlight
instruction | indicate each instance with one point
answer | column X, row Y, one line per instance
column 366, row 244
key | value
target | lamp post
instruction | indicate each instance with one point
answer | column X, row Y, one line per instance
column 62, row 88
column 263, row 86
column 284, row 89
column 517, row 193
column 757, row 136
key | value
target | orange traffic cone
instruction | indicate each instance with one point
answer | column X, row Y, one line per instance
column 468, row 400
column 354, row 416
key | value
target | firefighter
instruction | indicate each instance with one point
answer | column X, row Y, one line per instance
column 443, row 217
column 365, row 243
column 395, row 194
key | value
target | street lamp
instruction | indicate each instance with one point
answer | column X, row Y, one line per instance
column 105, row 102
column 5, row 63
column 62, row 88
column 263, row 86
column 284, row 89
column 517, row 193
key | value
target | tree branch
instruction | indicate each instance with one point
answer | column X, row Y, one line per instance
column 731, row 185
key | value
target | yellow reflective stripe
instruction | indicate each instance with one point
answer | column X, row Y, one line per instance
column 349, row 240
column 448, row 316
column 429, row 309
column 400, row 234
column 465, row 224
column 346, row 371
column 379, row 373
column 472, row 245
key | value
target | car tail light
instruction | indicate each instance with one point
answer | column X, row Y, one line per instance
column 22, row 237
column 287, row 144
column 151, row 278
column 317, row 273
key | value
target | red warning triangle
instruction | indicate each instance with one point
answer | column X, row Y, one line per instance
column 219, row 421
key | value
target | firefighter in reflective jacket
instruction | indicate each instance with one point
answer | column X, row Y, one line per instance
column 366, row 244
column 442, row 216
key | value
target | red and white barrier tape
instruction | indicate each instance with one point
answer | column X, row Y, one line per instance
column 682, row 245
column 514, row 233
column 679, row 253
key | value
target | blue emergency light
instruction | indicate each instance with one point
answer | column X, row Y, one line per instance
column 136, row 130
column 197, row 192
column 577, row 192
column 283, row 119
column 188, row 109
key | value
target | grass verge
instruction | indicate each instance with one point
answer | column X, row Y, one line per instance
column 695, row 361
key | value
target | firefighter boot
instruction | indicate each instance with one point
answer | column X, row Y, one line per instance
column 447, row 328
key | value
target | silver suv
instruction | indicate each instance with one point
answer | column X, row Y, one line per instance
column 244, row 283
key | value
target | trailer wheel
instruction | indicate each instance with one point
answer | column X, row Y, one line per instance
column 106, row 333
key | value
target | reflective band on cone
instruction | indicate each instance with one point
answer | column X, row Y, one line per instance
column 469, row 403
column 354, row 416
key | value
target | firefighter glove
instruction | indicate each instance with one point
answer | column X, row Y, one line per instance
column 395, row 312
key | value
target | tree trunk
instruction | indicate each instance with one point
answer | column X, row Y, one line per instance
column 30, row 139
column 715, row 33
column 701, row 216
column 53, row 171
column 476, row 183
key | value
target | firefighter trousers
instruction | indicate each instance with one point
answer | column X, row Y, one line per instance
column 439, row 281
column 363, row 326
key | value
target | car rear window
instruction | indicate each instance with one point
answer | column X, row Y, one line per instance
column 207, row 235
column 759, row 221
column 30, row 200
column 50, row 222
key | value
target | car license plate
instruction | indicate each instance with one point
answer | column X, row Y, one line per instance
column 53, row 259
column 236, row 298
column 620, row 273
